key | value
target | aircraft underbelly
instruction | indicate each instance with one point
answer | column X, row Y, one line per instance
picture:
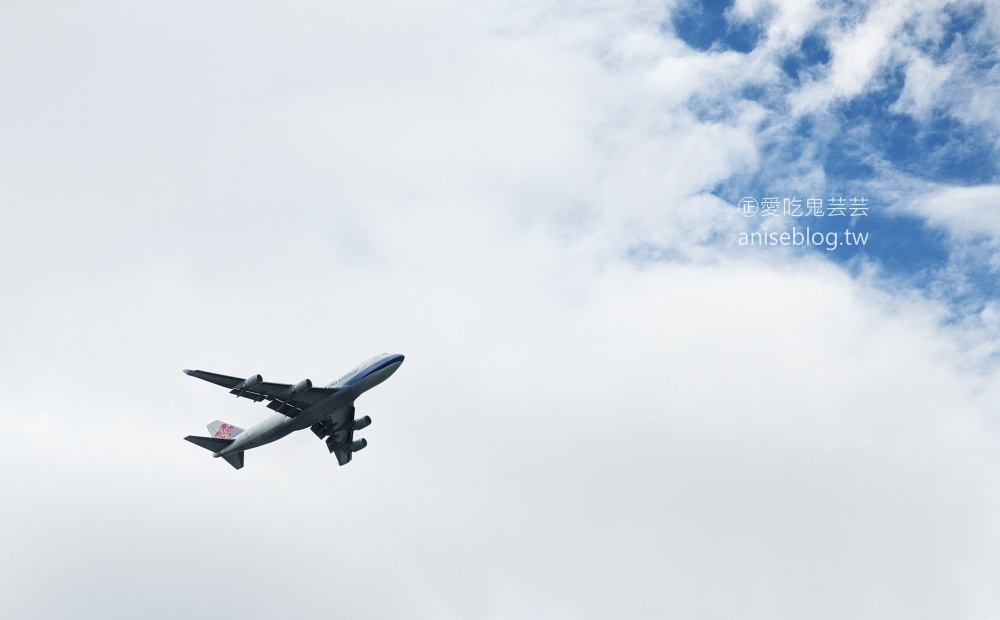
column 321, row 410
column 271, row 429
column 377, row 377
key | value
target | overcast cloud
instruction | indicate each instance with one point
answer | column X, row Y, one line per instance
column 609, row 408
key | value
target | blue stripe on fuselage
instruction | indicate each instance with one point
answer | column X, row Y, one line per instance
column 377, row 366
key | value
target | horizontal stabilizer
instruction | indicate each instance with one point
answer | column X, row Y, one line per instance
column 209, row 443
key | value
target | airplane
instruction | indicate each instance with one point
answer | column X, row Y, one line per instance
column 328, row 411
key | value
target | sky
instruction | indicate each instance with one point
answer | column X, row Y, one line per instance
column 637, row 384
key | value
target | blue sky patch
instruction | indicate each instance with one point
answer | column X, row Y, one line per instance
column 939, row 148
column 854, row 146
column 900, row 244
column 704, row 26
column 960, row 22
column 812, row 54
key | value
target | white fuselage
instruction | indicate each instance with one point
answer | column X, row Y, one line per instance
column 349, row 387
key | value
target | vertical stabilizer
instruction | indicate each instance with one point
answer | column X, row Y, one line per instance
column 223, row 430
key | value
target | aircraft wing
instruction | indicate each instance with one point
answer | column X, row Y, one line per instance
column 340, row 440
column 340, row 427
column 286, row 399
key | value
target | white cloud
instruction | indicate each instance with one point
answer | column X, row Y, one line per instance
column 856, row 55
column 787, row 21
column 665, row 433
column 966, row 213
column 923, row 87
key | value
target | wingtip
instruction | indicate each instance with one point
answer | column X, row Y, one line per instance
column 188, row 372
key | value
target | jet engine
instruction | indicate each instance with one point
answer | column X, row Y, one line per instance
column 302, row 386
column 359, row 445
column 250, row 382
column 361, row 423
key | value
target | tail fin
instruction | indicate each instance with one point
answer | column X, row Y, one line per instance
column 224, row 431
